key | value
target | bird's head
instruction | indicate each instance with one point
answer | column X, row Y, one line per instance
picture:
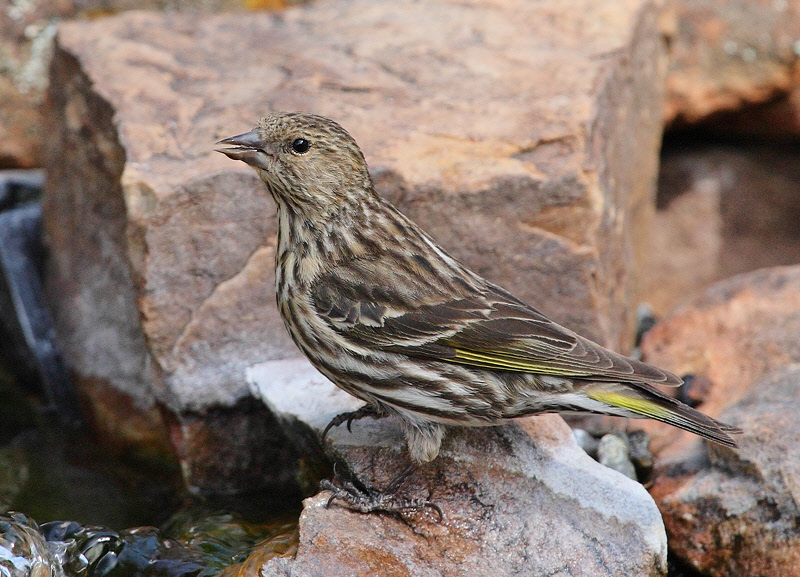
column 308, row 162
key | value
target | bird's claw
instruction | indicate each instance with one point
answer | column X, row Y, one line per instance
column 356, row 495
column 350, row 416
column 373, row 501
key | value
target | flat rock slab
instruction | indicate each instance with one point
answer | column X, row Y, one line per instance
column 517, row 500
column 522, row 136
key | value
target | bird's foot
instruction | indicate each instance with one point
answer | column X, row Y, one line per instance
column 357, row 496
column 349, row 417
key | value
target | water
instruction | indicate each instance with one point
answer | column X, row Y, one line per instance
column 86, row 510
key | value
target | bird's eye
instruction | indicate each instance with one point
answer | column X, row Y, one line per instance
column 300, row 145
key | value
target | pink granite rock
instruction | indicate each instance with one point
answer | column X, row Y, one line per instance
column 733, row 335
column 736, row 513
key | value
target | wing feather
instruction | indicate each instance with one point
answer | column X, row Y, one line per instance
column 485, row 328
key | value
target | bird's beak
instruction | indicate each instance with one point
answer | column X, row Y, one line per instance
column 247, row 147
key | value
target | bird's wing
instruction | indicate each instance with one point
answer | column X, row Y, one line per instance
column 485, row 328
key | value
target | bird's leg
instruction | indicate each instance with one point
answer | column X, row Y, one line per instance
column 359, row 497
column 365, row 411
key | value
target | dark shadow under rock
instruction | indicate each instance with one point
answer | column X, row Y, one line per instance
column 724, row 208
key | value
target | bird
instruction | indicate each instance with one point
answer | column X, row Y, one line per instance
column 387, row 315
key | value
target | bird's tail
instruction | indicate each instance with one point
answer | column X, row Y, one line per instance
column 642, row 401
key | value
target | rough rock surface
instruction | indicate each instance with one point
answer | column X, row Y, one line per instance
column 517, row 500
column 728, row 54
column 26, row 39
column 27, row 28
column 736, row 513
column 522, row 136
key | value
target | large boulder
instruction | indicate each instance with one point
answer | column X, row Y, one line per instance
column 728, row 338
column 736, row 512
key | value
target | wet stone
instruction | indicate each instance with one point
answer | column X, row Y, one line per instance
column 227, row 539
column 195, row 543
column 27, row 335
column 24, row 551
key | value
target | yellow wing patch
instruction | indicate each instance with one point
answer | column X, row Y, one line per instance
column 639, row 406
column 491, row 362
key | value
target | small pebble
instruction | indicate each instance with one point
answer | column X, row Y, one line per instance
column 586, row 442
column 694, row 390
column 640, row 449
column 613, row 452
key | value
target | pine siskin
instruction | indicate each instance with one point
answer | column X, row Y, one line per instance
column 387, row 315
